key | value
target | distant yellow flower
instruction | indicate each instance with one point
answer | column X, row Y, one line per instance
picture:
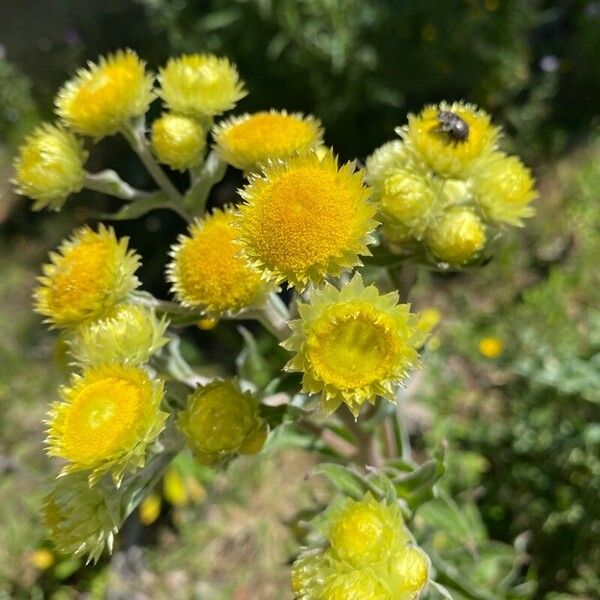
column 174, row 487
column 149, row 509
column 457, row 237
column 430, row 318
column 103, row 98
column 42, row 559
column 353, row 345
column 207, row 270
column 491, row 347
column 386, row 161
column 447, row 155
column 130, row 334
column 178, row 141
column 305, row 219
column 221, row 420
column 91, row 272
column 200, row 85
column 505, row 188
column 247, row 140
column 49, row 166
column 107, row 418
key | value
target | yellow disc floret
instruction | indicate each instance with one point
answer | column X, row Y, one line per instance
column 200, row 85
column 178, row 141
column 106, row 420
column 434, row 143
column 250, row 139
column 353, row 345
column 220, row 420
column 103, row 98
column 130, row 334
column 207, row 270
column 86, row 278
column 457, row 237
column 49, row 166
column 305, row 218
column 504, row 188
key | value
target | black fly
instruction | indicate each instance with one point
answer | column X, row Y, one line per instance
column 453, row 125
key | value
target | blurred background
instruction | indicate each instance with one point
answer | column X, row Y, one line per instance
column 512, row 375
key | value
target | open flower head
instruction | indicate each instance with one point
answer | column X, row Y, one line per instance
column 79, row 518
column 504, row 188
column 130, row 334
column 306, row 218
column 411, row 202
column 458, row 237
column 101, row 99
column 178, row 141
column 200, row 85
column 86, row 278
column 247, row 140
column 386, row 161
column 49, row 166
column 221, row 420
column 107, row 418
column 353, row 345
column 443, row 152
column 208, row 270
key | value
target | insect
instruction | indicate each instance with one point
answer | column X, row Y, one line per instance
column 453, row 125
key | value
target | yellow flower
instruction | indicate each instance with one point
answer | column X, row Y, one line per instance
column 200, row 85
column 430, row 318
column 364, row 532
column 409, row 569
column 79, row 518
column 353, row 345
column 174, row 487
column 103, row 98
column 49, row 166
column 308, row 574
column 505, row 188
column 305, row 219
column 107, row 418
column 178, row 141
column 354, row 585
column 149, row 509
column 130, row 334
column 247, row 140
column 207, row 270
column 491, row 347
column 411, row 202
column 42, row 559
column 441, row 150
column 91, row 272
column 221, row 420
column 457, row 237
column 385, row 161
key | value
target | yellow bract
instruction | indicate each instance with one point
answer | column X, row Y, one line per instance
column 49, row 166
column 106, row 419
column 457, row 237
column 353, row 345
column 200, row 85
column 250, row 139
column 409, row 570
column 91, row 273
column 305, row 218
column 103, row 98
column 178, row 141
column 207, row 270
column 352, row 585
column 439, row 150
column 385, row 161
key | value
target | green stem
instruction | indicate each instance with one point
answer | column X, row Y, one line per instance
column 203, row 180
column 108, row 182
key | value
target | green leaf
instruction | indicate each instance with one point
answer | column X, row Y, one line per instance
column 417, row 487
column 345, row 480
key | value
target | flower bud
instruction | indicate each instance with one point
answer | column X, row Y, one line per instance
column 178, row 141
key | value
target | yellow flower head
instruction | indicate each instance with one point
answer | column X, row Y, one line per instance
column 103, row 98
column 221, row 420
column 353, row 345
column 107, row 418
column 149, row 509
column 355, row 585
column 79, row 518
column 364, row 532
column 457, row 237
column 200, row 85
column 409, row 569
column 504, row 188
column 385, row 161
column 411, row 202
column 207, row 270
column 251, row 139
column 305, row 219
column 491, row 347
column 91, row 272
column 178, row 141
column 130, row 334
column 49, row 166
column 436, row 144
